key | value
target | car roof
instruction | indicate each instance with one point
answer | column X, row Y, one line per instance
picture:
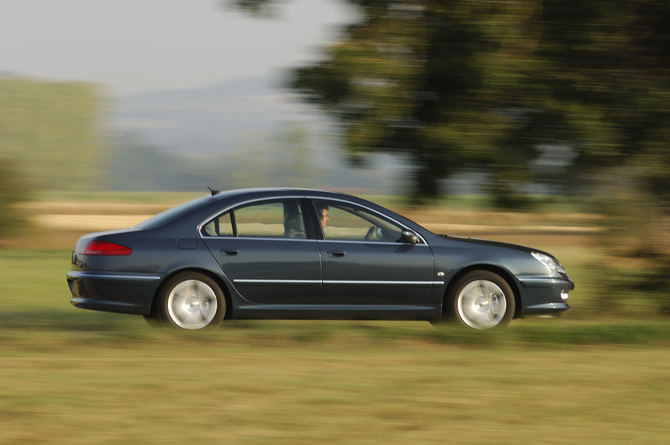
column 273, row 190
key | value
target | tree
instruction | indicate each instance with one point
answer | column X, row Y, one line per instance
column 485, row 84
column 407, row 79
column 429, row 80
column 607, row 75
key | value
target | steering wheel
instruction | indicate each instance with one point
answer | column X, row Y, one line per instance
column 371, row 231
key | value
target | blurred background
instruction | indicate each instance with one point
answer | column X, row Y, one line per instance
column 544, row 123
column 557, row 110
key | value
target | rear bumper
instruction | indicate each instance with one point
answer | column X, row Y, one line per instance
column 113, row 292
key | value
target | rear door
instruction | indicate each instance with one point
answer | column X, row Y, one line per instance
column 265, row 249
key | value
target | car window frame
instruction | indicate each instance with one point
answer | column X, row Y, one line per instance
column 319, row 231
column 232, row 224
column 302, row 202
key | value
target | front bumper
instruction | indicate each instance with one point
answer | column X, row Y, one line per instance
column 544, row 295
column 113, row 292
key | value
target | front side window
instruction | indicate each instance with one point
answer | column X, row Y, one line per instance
column 267, row 219
column 347, row 222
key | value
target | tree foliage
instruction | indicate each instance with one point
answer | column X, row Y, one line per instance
column 407, row 80
column 454, row 84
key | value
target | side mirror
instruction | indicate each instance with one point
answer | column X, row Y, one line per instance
column 409, row 237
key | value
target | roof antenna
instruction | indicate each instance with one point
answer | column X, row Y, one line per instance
column 214, row 192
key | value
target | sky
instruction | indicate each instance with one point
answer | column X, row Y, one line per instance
column 131, row 46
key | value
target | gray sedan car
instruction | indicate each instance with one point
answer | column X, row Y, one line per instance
column 307, row 254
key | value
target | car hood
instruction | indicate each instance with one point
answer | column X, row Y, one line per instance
column 491, row 243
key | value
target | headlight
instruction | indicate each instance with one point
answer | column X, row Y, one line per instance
column 548, row 261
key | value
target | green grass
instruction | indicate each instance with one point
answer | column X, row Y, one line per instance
column 33, row 279
column 70, row 376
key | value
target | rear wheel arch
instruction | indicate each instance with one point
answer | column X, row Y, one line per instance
column 217, row 279
column 505, row 275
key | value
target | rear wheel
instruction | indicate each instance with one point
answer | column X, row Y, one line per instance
column 191, row 301
column 482, row 300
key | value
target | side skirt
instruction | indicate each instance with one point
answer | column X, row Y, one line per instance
column 337, row 312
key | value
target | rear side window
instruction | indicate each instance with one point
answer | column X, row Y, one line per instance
column 261, row 220
column 267, row 219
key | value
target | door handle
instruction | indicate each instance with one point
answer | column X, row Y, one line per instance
column 336, row 253
column 229, row 252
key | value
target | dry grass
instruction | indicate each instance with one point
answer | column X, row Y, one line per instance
column 83, row 388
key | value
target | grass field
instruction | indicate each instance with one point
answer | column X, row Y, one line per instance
column 73, row 376
column 95, row 388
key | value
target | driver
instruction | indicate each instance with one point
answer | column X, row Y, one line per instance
column 322, row 213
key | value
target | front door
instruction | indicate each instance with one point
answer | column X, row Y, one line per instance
column 365, row 261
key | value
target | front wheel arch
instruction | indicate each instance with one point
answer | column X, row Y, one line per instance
column 504, row 274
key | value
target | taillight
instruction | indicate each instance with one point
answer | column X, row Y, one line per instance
column 105, row 248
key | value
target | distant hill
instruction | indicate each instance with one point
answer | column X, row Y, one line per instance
column 249, row 132
column 246, row 133
column 210, row 119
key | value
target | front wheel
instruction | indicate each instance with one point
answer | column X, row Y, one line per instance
column 191, row 301
column 482, row 300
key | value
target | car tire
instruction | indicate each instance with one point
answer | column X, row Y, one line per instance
column 481, row 300
column 191, row 301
